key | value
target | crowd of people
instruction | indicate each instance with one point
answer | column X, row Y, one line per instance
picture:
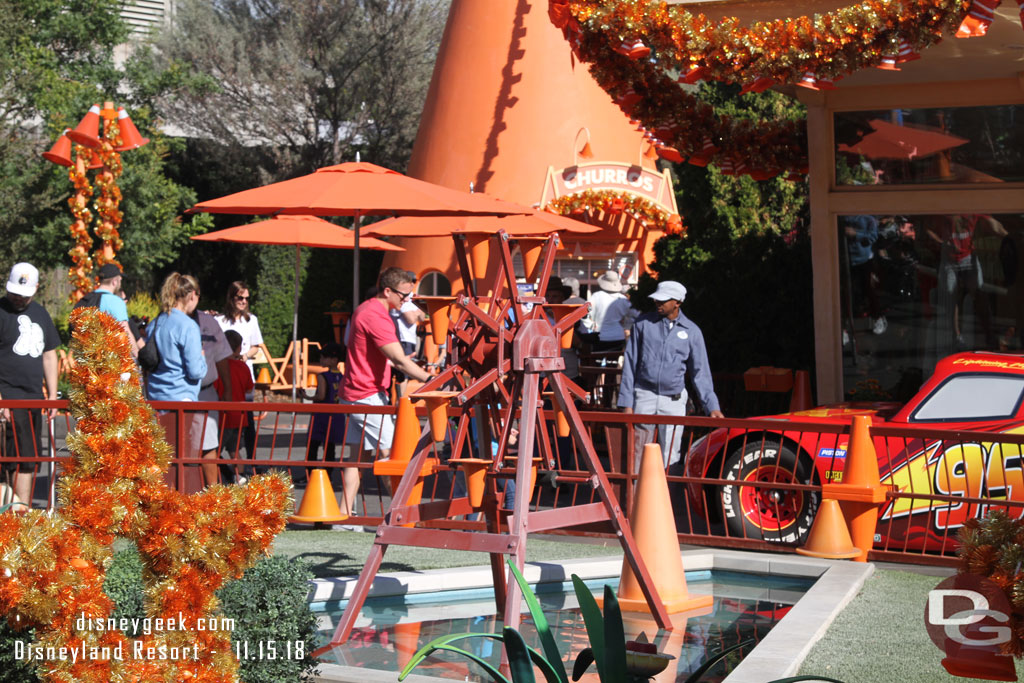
column 207, row 356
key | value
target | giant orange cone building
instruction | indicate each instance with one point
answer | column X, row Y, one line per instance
column 506, row 101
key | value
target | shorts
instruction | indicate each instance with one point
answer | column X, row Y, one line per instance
column 374, row 431
column 208, row 433
column 23, row 438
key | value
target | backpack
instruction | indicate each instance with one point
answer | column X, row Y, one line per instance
column 91, row 299
column 149, row 355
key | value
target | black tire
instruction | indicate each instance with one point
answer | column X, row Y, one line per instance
column 776, row 515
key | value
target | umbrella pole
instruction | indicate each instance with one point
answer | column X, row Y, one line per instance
column 355, row 263
column 295, row 325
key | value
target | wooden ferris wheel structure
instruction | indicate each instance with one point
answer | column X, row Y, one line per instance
column 503, row 352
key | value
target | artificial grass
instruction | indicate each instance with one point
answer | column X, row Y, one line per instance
column 342, row 553
column 881, row 636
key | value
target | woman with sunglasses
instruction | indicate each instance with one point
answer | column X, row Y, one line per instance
column 236, row 316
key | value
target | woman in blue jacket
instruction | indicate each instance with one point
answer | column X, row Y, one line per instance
column 182, row 366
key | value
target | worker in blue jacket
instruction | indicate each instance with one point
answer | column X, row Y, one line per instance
column 664, row 348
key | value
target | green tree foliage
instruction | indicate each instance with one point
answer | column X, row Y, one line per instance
column 745, row 259
column 293, row 85
column 57, row 57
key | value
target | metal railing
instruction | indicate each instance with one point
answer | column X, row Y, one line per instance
column 759, row 476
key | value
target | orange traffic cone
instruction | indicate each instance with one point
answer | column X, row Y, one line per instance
column 530, row 248
column 475, row 470
column 87, row 132
column 829, row 537
column 801, row 398
column 861, row 491
column 318, row 503
column 407, row 640
column 437, row 411
column 439, row 310
column 60, row 153
column 263, row 377
column 403, row 446
column 654, row 529
column 479, row 247
column 130, row 136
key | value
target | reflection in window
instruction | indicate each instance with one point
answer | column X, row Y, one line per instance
column 434, row 283
column 940, row 145
column 915, row 289
column 972, row 397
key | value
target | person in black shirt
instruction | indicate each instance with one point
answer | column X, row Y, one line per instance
column 28, row 357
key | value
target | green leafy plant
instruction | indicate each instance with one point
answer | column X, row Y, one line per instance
column 143, row 306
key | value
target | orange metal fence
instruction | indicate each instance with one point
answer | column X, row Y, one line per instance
column 936, row 480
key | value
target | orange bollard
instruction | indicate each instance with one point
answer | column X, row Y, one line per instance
column 654, row 529
column 439, row 310
column 475, row 470
column 801, row 398
column 437, row 411
column 829, row 537
column 318, row 503
column 861, row 491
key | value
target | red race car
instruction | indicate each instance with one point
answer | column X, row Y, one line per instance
column 975, row 392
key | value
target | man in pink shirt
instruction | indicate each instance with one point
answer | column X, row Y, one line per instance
column 373, row 348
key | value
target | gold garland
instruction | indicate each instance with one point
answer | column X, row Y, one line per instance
column 616, row 202
column 640, row 49
column 52, row 568
column 108, row 214
column 80, row 273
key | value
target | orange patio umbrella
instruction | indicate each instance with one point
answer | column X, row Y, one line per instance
column 536, row 223
column 298, row 231
column 890, row 141
column 357, row 189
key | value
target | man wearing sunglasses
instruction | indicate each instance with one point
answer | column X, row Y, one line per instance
column 373, row 349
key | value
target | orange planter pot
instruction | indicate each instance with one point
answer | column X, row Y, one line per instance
column 475, row 470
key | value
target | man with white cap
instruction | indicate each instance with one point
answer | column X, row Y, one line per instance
column 28, row 357
column 664, row 349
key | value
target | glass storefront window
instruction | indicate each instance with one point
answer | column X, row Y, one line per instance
column 944, row 145
column 915, row 289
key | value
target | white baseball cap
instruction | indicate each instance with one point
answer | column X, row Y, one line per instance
column 24, row 280
column 669, row 289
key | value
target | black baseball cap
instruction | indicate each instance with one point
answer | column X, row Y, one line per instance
column 109, row 271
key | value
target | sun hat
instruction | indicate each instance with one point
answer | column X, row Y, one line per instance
column 108, row 271
column 669, row 289
column 610, row 281
column 24, row 280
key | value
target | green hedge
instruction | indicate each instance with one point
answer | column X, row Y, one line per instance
column 267, row 604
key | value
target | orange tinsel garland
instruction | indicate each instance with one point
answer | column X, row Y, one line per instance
column 616, row 202
column 108, row 214
column 676, row 45
column 52, row 567
column 80, row 274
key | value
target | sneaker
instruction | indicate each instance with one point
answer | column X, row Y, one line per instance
column 347, row 527
column 241, row 481
column 846, row 338
column 879, row 325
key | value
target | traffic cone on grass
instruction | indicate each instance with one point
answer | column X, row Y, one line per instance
column 654, row 530
column 318, row 503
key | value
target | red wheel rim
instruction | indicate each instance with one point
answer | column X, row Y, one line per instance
column 766, row 507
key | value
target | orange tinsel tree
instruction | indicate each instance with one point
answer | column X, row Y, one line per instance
column 52, row 567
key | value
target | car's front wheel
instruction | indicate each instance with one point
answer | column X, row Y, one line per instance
column 772, row 513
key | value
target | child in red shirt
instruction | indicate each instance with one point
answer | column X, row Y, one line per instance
column 232, row 421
